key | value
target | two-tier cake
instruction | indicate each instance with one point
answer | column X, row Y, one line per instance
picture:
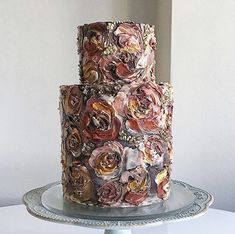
column 116, row 125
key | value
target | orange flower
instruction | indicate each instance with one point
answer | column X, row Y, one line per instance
column 137, row 185
column 99, row 121
column 107, row 160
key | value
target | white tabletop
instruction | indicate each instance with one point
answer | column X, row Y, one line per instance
column 15, row 219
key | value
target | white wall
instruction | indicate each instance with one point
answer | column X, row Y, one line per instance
column 158, row 13
column 37, row 54
column 203, row 75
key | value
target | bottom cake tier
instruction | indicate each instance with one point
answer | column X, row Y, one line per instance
column 116, row 144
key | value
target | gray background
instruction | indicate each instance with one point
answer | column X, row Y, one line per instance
column 38, row 53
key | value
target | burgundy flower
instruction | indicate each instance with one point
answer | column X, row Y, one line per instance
column 110, row 193
column 99, row 121
column 142, row 106
column 107, row 160
column 73, row 142
column 121, row 67
column 137, row 185
column 72, row 102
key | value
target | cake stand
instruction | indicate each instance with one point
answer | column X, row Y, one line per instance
column 185, row 202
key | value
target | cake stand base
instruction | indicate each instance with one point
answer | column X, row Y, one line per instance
column 111, row 231
column 185, row 202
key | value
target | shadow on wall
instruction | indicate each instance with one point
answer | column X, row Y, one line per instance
column 158, row 13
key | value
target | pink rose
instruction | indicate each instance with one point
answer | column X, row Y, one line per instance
column 129, row 37
column 154, row 150
column 141, row 105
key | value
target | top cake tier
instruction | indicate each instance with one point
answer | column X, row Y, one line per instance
column 116, row 52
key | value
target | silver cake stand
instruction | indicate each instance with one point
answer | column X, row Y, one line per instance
column 185, row 202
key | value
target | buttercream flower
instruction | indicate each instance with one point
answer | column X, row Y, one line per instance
column 141, row 104
column 137, row 185
column 73, row 142
column 129, row 37
column 110, row 193
column 99, row 121
column 72, row 102
column 163, row 184
column 121, row 67
column 90, row 73
column 154, row 150
column 107, row 160
column 82, row 186
column 94, row 40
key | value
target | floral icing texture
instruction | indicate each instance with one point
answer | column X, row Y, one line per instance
column 94, row 40
column 72, row 101
column 141, row 105
column 129, row 37
column 120, row 53
column 119, row 69
column 116, row 148
column 81, row 184
column 99, row 121
column 137, row 185
column 110, row 193
column 90, row 72
column 107, row 160
column 73, row 142
column 163, row 183
column 154, row 150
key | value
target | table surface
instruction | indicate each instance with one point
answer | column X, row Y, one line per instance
column 15, row 219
